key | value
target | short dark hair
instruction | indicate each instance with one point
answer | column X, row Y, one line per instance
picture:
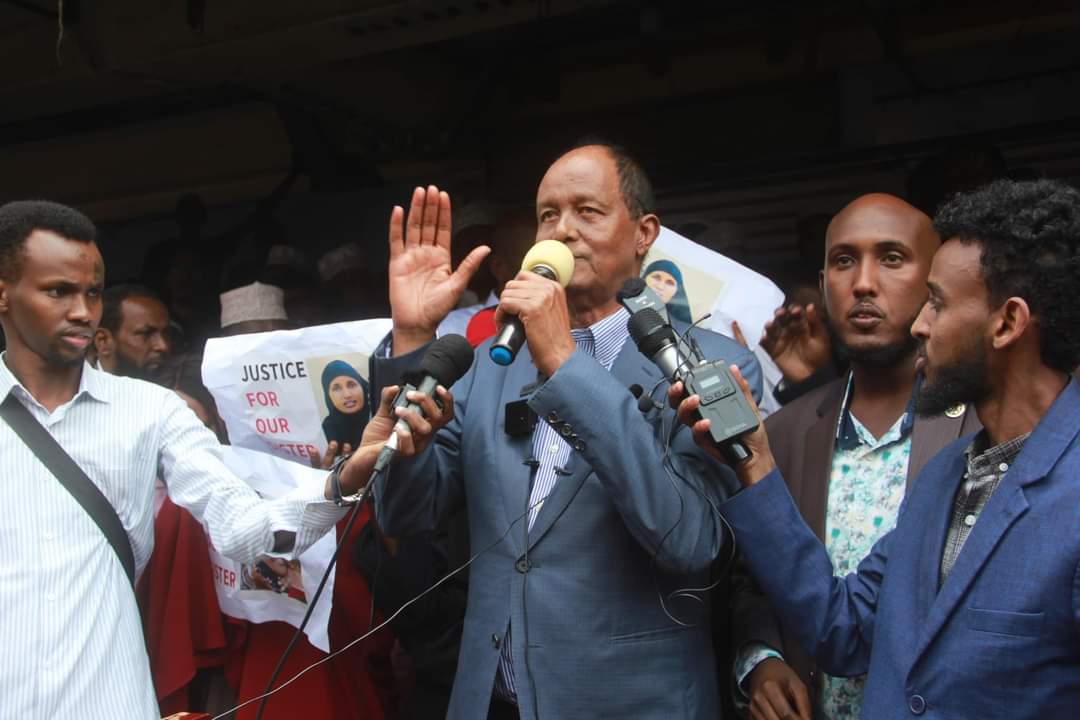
column 1029, row 233
column 114, row 297
column 19, row 219
column 634, row 184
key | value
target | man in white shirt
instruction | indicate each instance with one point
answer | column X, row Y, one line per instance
column 72, row 645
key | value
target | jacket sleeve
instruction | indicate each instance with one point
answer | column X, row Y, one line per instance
column 415, row 492
column 832, row 617
column 750, row 615
column 667, row 497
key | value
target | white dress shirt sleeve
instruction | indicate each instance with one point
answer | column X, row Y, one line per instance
column 240, row 523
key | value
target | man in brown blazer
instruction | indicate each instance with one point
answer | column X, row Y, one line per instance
column 850, row 449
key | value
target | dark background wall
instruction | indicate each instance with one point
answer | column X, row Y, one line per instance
column 751, row 116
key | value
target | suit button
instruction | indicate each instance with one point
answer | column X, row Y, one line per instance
column 523, row 565
column 579, row 444
column 553, row 417
column 566, row 430
column 917, row 705
column 495, row 641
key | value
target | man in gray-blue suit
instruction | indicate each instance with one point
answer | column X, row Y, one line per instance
column 970, row 607
column 595, row 523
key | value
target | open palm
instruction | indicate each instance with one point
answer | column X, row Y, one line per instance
column 424, row 286
column 798, row 341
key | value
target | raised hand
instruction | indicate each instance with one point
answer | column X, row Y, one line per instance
column 424, row 287
column 798, row 341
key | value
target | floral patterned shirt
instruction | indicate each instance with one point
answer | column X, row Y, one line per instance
column 866, row 487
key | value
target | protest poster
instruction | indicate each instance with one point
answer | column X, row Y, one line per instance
column 289, row 392
column 274, row 588
column 694, row 280
column 283, row 396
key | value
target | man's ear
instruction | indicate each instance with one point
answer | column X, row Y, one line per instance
column 1010, row 323
column 103, row 342
column 3, row 296
column 648, row 229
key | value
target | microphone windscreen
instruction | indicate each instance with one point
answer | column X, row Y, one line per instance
column 649, row 331
column 447, row 359
column 551, row 254
column 631, row 288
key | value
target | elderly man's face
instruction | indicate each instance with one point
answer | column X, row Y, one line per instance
column 579, row 203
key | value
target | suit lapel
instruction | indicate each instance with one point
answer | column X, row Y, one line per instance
column 929, row 436
column 513, row 472
column 1054, row 433
column 935, row 524
column 630, row 367
column 818, row 448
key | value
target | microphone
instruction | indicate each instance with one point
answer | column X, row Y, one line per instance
column 550, row 259
column 445, row 361
column 635, row 295
column 656, row 340
column 722, row 403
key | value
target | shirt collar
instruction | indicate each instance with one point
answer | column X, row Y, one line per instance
column 94, row 383
column 90, row 382
column 983, row 461
column 608, row 335
column 847, row 436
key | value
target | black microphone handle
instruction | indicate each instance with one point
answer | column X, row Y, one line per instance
column 511, row 336
column 427, row 386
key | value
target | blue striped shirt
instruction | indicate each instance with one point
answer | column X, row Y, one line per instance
column 603, row 340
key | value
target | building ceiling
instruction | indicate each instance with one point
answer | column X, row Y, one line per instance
column 138, row 100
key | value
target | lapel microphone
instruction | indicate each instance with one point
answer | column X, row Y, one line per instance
column 645, row 402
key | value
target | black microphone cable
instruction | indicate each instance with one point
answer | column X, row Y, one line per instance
column 671, row 473
column 364, row 494
column 438, row 583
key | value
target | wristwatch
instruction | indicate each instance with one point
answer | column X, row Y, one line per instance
column 335, row 484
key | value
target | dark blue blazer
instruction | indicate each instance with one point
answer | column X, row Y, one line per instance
column 1000, row 639
column 585, row 588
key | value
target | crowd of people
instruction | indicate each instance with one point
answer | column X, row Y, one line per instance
column 900, row 542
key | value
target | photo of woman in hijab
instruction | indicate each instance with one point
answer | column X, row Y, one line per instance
column 665, row 278
column 345, row 392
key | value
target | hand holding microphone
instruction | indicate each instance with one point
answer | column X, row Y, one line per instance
column 533, row 306
column 408, row 416
column 724, row 413
column 444, row 363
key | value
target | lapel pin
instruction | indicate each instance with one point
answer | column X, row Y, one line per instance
column 955, row 411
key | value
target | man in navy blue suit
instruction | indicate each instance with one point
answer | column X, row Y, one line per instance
column 971, row 606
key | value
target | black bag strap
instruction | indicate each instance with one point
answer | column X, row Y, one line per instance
column 72, row 477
